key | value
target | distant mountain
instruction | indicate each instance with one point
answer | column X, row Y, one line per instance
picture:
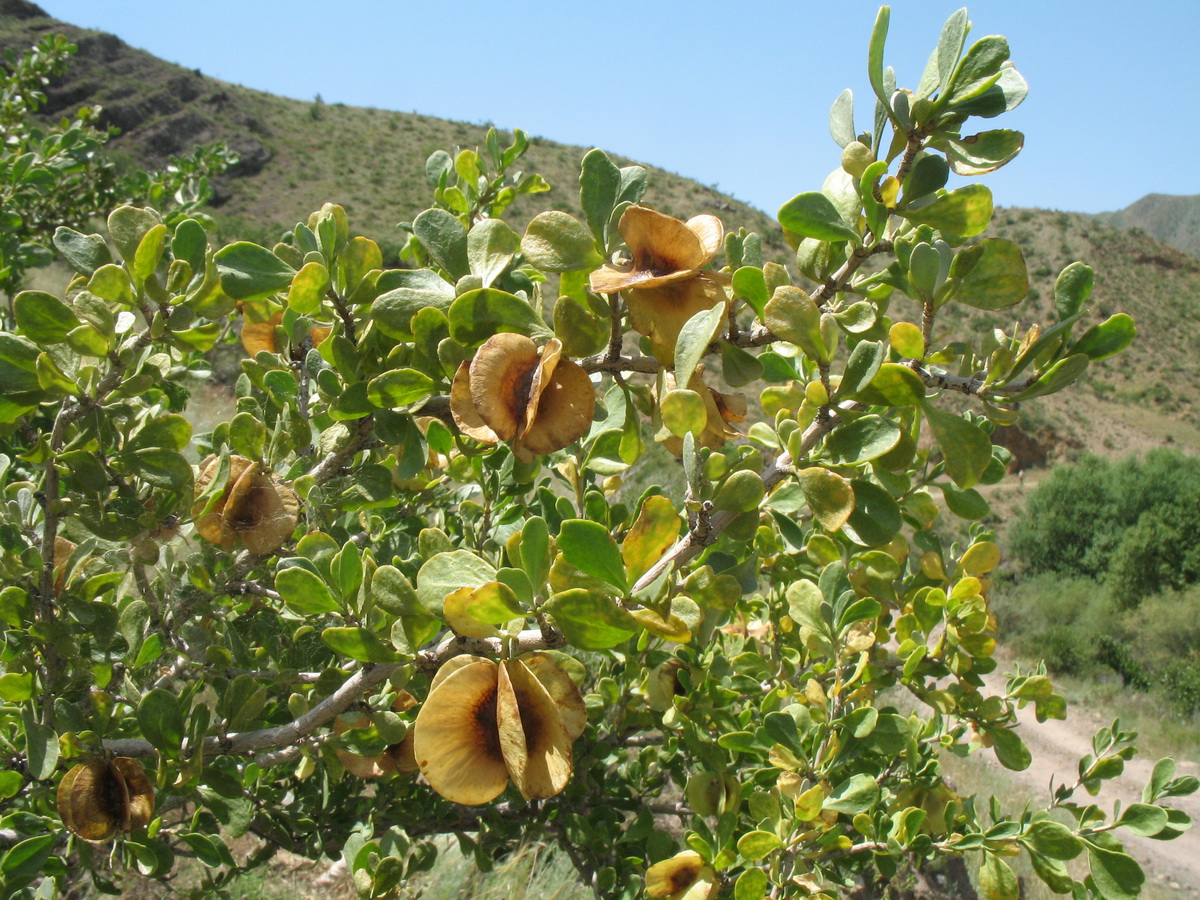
column 296, row 155
column 1168, row 217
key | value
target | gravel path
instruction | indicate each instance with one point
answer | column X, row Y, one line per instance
column 1057, row 745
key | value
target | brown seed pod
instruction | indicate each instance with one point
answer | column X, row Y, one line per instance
column 663, row 284
column 484, row 723
column 99, row 798
column 255, row 507
column 512, row 391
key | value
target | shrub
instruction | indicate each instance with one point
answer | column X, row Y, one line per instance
column 408, row 550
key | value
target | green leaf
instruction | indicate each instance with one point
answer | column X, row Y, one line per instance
column 792, row 315
column 309, row 288
column 967, row 504
column 205, row 849
column 26, row 859
column 978, row 154
column 127, row 225
column 241, row 703
column 1117, row 876
column 979, row 69
column 599, row 184
column 757, row 844
column 813, row 215
column 189, row 244
column 161, row 721
column 589, row 547
column 875, row 519
column 558, row 242
column 1143, row 819
column 477, row 315
column 409, row 292
column 1053, row 839
column 896, row 385
column 694, row 337
column 16, row 687
column 683, row 412
column 1006, row 93
column 399, row 388
column 750, row 284
column 996, row 879
column 866, row 438
column 43, row 318
column 445, row 239
column 591, row 620
column 865, row 360
column 491, row 245
column 962, row 213
column 444, row 573
column 738, row 367
column 929, row 173
column 856, row 794
column 359, row 643
column 1063, row 373
column 1073, row 287
column 41, row 750
column 149, row 252
column 829, row 496
column 1106, row 338
column 249, row 272
column 990, row 275
column 875, row 58
column 965, row 446
column 841, row 119
column 164, row 468
column 1160, row 777
column 1010, row 749
column 305, row 593
column 394, row 593
column 85, row 252
column 742, row 491
column 752, row 884
column 652, row 534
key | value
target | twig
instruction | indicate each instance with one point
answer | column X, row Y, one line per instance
column 370, row 675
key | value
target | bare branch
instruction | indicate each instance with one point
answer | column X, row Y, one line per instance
column 370, row 675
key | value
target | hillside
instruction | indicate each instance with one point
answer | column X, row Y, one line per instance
column 296, row 155
column 1169, row 218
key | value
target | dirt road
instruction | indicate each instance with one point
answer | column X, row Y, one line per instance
column 1057, row 746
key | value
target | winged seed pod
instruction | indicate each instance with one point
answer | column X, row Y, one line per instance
column 511, row 391
column 255, row 507
column 99, row 798
column 663, row 284
column 484, row 723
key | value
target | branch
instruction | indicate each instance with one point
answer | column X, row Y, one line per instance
column 692, row 543
column 370, row 675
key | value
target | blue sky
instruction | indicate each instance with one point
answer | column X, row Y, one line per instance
column 733, row 94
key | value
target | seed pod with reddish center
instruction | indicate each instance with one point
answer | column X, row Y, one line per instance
column 663, row 284
column 511, row 391
column 99, row 798
column 484, row 723
column 255, row 507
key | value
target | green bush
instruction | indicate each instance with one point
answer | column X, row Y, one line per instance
column 1127, row 522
